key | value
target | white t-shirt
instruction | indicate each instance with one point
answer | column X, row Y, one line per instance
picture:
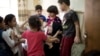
column 6, row 36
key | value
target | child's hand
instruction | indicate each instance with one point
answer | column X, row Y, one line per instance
column 22, row 40
column 59, row 32
column 76, row 39
column 50, row 45
column 57, row 40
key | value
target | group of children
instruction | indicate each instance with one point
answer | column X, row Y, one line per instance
column 57, row 40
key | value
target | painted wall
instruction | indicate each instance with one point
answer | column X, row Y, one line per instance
column 47, row 3
column 78, row 5
column 75, row 4
column 30, row 4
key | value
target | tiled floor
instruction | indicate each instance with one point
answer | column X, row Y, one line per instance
column 77, row 49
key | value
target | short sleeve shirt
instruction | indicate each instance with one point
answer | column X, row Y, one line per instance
column 35, row 42
column 69, row 27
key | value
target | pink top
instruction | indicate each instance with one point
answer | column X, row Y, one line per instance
column 35, row 42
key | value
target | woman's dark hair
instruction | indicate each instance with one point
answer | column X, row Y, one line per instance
column 53, row 9
column 8, row 18
column 67, row 2
column 1, row 19
column 34, row 22
column 38, row 7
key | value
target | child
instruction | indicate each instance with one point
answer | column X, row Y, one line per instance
column 35, row 37
column 70, row 28
column 54, row 25
column 4, row 48
column 9, row 35
column 38, row 9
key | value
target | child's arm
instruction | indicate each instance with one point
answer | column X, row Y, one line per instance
column 77, row 27
column 58, row 32
column 22, row 26
column 51, row 39
column 15, row 36
column 77, row 37
column 9, row 41
column 20, row 41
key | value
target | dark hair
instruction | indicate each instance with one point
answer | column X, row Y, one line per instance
column 67, row 2
column 8, row 18
column 53, row 9
column 34, row 22
column 38, row 7
column 1, row 19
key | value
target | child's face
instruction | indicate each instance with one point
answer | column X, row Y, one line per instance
column 39, row 12
column 52, row 14
column 13, row 22
column 62, row 6
column 2, row 25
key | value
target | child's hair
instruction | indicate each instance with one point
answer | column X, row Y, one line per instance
column 34, row 22
column 8, row 18
column 53, row 9
column 38, row 7
column 67, row 2
column 1, row 19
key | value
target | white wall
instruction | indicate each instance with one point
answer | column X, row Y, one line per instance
column 75, row 4
column 30, row 5
column 47, row 3
column 78, row 5
column 8, row 6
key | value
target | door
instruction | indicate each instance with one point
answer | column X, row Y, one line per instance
column 92, row 24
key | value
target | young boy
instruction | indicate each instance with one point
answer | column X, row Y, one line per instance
column 38, row 9
column 70, row 28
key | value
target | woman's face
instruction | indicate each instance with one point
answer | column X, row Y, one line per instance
column 13, row 22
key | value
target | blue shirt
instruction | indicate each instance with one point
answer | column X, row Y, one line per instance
column 43, row 17
column 69, row 26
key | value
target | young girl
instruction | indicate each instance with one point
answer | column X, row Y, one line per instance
column 9, row 35
column 4, row 48
column 53, row 26
column 35, row 37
